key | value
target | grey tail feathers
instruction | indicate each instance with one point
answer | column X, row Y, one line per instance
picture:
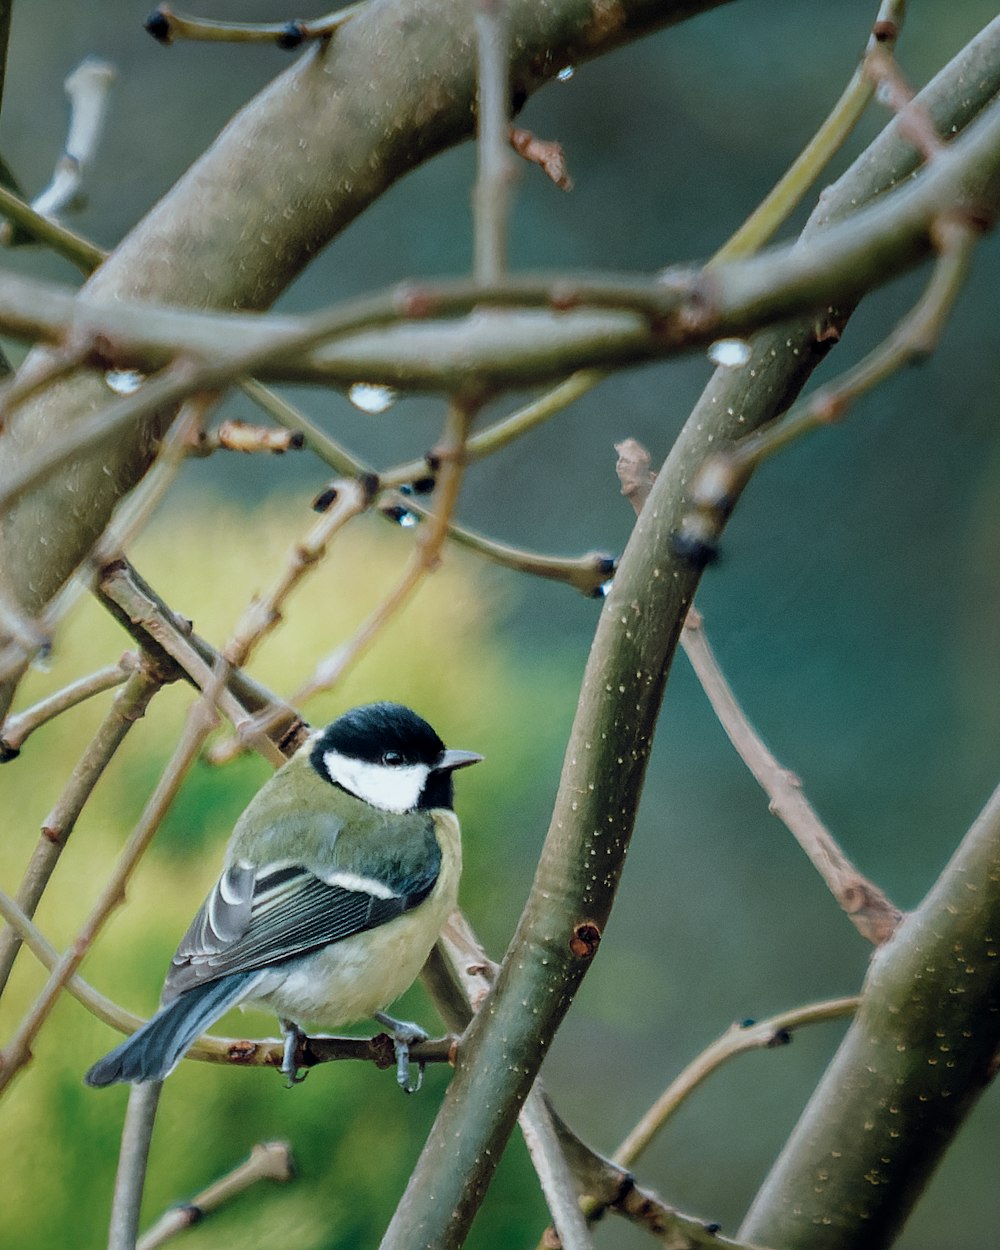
column 153, row 1051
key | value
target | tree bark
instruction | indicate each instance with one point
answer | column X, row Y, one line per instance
column 394, row 86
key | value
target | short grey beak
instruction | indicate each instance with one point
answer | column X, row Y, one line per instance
column 448, row 761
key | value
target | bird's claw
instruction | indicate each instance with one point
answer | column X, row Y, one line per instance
column 404, row 1035
column 294, row 1038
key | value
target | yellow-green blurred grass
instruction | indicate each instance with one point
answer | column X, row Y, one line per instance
column 442, row 655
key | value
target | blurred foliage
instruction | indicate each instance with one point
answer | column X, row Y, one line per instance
column 854, row 610
column 355, row 1136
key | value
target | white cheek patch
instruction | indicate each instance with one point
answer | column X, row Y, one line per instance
column 391, row 789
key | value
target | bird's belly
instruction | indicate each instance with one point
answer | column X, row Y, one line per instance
column 359, row 975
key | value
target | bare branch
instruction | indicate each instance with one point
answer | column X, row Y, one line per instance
column 872, row 914
column 492, row 192
column 17, row 729
column 737, row 1040
column 450, row 454
column 268, row 1161
column 789, row 191
column 166, row 26
column 87, row 88
column 634, row 472
column 133, row 1155
column 129, row 705
column 200, row 722
column 545, row 153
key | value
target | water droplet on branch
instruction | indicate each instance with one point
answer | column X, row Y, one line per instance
column 729, row 352
column 124, row 381
column 372, row 398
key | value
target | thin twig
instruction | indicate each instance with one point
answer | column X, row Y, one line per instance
column 140, row 602
column 778, row 205
column 545, row 153
column 18, row 728
column 869, row 910
column 239, row 436
column 913, row 338
column 892, row 89
column 505, row 431
column 608, row 1186
column 96, row 1003
column 426, row 555
column 87, row 87
column 128, row 706
column 268, row 1161
column 493, row 183
column 589, row 574
column 201, row 720
column 166, row 27
column 55, row 236
column 555, row 1177
column 264, row 612
column 133, row 1156
column 144, row 611
column 295, row 421
column 737, row 1040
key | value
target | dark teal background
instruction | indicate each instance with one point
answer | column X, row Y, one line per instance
column 855, row 607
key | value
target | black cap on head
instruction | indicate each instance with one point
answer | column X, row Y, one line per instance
column 382, row 733
column 390, row 735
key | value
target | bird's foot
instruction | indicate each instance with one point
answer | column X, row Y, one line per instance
column 294, row 1039
column 404, row 1034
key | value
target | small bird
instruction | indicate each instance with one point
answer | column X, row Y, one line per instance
column 338, row 878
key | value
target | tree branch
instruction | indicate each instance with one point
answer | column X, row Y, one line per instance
column 603, row 771
column 393, row 87
column 921, row 1050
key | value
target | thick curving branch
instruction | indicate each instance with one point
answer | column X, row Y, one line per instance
column 920, row 1052
column 606, row 758
column 393, row 87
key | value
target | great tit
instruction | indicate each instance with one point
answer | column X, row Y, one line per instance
column 338, row 878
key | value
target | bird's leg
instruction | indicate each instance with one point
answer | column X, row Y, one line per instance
column 294, row 1038
column 404, row 1034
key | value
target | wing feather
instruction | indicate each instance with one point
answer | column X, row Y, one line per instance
column 255, row 919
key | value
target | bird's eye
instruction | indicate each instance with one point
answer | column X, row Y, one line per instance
column 392, row 758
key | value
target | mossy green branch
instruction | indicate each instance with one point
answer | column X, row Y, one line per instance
column 920, row 1052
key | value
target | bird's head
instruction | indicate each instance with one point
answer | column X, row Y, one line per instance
column 388, row 756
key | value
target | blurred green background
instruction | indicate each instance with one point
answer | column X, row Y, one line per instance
column 855, row 611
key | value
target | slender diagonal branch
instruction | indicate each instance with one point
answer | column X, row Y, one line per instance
column 128, row 707
column 200, row 722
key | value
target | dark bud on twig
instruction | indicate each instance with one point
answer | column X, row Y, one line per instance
column 370, row 484
column 696, row 542
column 293, row 34
column 605, row 567
column 781, row 1037
column 402, row 516
column 324, row 499
column 158, row 25
column 420, row 486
